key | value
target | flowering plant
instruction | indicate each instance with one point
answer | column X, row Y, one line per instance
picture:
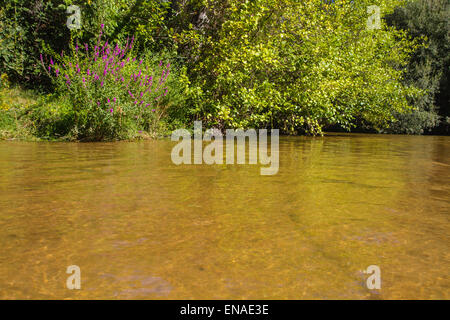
column 113, row 93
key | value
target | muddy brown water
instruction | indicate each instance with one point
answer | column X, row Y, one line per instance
column 140, row 227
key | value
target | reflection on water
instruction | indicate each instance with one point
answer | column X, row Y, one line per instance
column 140, row 227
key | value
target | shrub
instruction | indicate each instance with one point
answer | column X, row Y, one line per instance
column 112, row 94
column 414, row 122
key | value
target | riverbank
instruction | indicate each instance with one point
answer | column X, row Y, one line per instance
column 26, row 115
column 13, row 104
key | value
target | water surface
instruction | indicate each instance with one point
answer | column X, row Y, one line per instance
column 140, row 227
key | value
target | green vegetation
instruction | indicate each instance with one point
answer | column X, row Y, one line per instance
column 14, row 103
column 429, row 67
column 300, row 66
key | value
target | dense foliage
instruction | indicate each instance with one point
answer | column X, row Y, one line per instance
column 295, row 65
column 108, row 90
column 429, row 67
column 25, row 25
column 301, row 66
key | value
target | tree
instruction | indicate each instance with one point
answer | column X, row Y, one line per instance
column 296, row 65
column 429, row 67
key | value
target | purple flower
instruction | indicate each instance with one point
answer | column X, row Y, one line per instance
column 109, row 101
column 153, row 110
column 111, row 110
column 102, row 26
column 165, row 78
column 160, row 63
column 51, row 61
column 99, row 37
column 114, row 99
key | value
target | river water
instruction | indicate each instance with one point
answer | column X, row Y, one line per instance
column 140, row 227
